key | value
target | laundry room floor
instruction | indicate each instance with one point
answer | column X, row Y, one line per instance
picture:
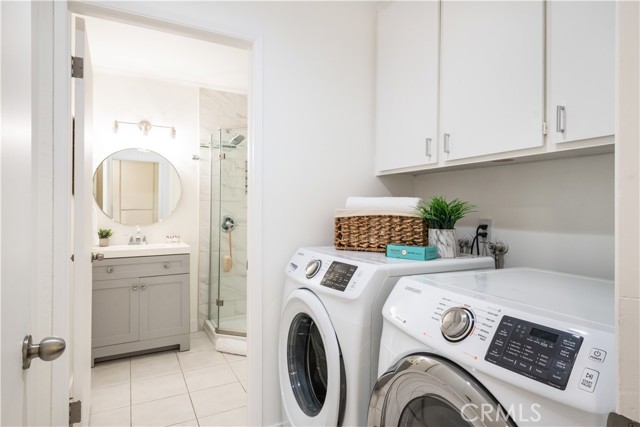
column 200, row 387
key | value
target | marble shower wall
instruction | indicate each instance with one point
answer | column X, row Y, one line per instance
column 222, row 110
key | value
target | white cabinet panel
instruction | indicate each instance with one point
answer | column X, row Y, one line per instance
column 581, row 69
column 492, row 77
column 407, row 85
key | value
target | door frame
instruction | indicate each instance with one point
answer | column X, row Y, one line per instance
column 60, row 86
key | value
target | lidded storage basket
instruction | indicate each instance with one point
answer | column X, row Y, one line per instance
column 373, row 230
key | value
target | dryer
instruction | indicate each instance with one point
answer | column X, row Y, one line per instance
column 330, row 329
column 513, row 347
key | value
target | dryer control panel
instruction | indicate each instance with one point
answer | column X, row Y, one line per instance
column 338, row 275
column 535, row 351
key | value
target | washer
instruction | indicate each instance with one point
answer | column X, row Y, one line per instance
column 331, row 326
column 513, row 347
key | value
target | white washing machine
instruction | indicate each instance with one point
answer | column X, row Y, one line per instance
column 513, row 347
column 331, row 326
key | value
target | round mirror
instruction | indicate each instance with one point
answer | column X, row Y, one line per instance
column 136, row 187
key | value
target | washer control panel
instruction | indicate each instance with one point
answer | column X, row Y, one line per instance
column 482, row 328
column 535, row 351
column 338, row 275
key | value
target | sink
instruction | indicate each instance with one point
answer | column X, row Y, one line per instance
column 124, row 251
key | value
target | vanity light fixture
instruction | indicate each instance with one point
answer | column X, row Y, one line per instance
column 144, row 127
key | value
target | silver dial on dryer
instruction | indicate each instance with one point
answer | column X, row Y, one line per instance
column 312, row 268
column 456, row 323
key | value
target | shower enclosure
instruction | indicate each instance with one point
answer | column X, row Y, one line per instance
column 227, row 296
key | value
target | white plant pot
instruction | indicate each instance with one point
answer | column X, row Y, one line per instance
column 445, row 241
column 104, row 242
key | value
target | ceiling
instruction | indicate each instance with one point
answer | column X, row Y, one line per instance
column 138, row 51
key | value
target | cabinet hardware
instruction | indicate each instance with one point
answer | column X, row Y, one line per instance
column 560, row 112
column 109, row 269
column 167, row 265
column 447, row 148
column 428, row 147
column 134, row 288
column 143, row 287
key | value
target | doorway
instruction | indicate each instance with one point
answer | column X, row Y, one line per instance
column 137, row 80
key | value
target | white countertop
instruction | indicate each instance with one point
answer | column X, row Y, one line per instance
column 125, row 251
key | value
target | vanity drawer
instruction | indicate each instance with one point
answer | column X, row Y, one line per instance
column 122, row 268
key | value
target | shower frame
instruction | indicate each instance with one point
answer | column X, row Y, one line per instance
column 218, row 223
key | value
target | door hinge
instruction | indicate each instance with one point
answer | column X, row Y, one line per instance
column 77, row 67
column 222, row 156
column 545, row 128
column 219, row 302
column 75, row 412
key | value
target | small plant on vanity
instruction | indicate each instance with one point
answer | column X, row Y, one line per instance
column 441, row 216
column 104, row 234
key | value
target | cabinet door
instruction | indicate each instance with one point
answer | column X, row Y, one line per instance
column 115, row 312
column 164, row 306
column 492, row 82
column 407, row 85
column 581, row 69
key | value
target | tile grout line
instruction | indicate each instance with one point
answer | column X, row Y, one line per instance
column 130, row 393
column 188, row 391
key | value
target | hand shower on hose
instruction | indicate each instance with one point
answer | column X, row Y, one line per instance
column 228, row 224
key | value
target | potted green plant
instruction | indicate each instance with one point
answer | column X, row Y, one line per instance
column 441, row 216
column 104, row 234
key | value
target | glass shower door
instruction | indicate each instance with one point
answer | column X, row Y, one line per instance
column 229, row 231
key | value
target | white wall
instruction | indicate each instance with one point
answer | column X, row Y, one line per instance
column 627, row 213
column 554, row 214
column 316, row 136
column 131, row 99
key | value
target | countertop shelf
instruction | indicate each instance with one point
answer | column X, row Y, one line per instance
column 151, row 249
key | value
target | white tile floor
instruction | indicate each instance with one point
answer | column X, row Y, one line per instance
column 200, row 387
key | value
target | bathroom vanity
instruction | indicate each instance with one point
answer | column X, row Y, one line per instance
column 140, row 299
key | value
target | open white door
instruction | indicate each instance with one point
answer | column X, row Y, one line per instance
column 34, row 220
column 82, row 239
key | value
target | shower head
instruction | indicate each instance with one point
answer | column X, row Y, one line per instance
column 236, row 139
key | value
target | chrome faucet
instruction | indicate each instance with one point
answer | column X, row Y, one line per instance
column 139, row 239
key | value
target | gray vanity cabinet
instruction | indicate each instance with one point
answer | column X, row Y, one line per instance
column 140, row 303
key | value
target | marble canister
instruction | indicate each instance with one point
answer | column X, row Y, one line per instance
column 445, row 241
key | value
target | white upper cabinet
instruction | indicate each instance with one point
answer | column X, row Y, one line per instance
column 492, row 77
column 407, row 85
column 580, row 69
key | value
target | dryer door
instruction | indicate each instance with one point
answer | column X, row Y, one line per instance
column 425, row 390
column 312, row 376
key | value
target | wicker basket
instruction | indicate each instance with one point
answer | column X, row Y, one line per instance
column 372, row 233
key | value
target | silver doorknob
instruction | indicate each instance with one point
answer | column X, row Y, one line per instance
column 97, row 256
column 49, row 349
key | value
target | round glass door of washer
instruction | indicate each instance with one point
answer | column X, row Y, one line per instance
column 312, row 376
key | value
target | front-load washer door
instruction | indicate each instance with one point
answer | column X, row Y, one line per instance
column 312, row 377
column 425, row 390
